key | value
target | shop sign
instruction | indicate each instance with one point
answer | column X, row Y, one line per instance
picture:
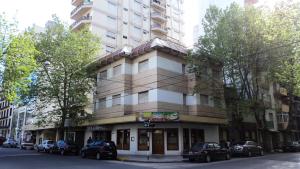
column 159, row 116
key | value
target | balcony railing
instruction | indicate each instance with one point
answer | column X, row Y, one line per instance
column 87, row 4
column 158, row 4
column 159, row 16
column 84, row 18
column 159, row 28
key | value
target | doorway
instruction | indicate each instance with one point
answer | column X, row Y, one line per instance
column 158, row 141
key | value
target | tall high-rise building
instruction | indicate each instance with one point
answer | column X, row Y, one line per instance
column 130, row 23
column 6, row 115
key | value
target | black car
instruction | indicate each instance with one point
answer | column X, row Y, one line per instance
column 2, row 140
column 291, row 147
column 247, row 148
column 64, row 147
column 207, row 152
column 100, row 150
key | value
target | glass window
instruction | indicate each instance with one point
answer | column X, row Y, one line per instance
column 137, row 18
column 143, row 65
column 123, row 139
column 111, row 21
column 109, row 49
column 184, row 99
column 116, row 100
column 137, row 31
column 143, row 140
column 110, row 35
column 117, row 70
column 103, row 75
column 204, row 99
column 143, row 97
column 172, row 139
column 102, row 103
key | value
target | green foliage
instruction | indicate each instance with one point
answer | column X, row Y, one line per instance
column 63, row 83
column 17, row 55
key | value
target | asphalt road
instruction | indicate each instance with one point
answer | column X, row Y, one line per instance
column 26, row 159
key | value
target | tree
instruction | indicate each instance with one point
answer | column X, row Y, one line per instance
column 17, row 56
column 237, row 37
column 62, row 81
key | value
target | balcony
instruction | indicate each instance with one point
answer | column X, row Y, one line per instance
column 81, row 22
column 157, row 16
column 76, row 2
column 81, row 9
column 158, row 4
column 159, row 29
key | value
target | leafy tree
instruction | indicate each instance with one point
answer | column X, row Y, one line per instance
column 17, row 57
column 62, row 82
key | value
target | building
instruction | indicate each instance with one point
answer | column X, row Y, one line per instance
column 130, row 23
column 6, row 119
column 150, row 82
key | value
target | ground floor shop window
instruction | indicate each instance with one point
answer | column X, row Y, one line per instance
column 70, row 136
column 143, row 140
column 197, row 135
column 123, row 139
column 172, row 139
column 102, row 135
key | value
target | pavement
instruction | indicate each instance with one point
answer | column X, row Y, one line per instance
column 151, row 159
column 28, row 159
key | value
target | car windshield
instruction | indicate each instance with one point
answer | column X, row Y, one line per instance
column 50, row 142
column 197, row 146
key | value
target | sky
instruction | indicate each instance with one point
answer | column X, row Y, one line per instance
column 29, row 12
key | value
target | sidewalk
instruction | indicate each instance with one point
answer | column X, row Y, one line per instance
column 152, row 158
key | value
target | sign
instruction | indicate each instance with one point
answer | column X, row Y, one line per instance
column 98, row 128
column 159, row 116
column 147, row 123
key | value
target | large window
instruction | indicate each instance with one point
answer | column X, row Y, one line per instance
column 102, row 103
column 123, row 139
column 109, row 49
column 172, row 139
column 143, row 140
column 143, row 65
column 116, row 100
column 204, row 99
column 283, row 117
column 103, row 75
column 117, row 70
column 143, row 97
column 110, row 35
column 137, row 18
column 197, row 135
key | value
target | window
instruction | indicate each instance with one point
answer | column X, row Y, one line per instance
column 271, row 116
column 143, row 97
column 102, row 103
column 109, row 49
column 183, row 69
column 218, row 102
column 145, row 32
column 137, row 31
column 125, row 9
column 117, row 70
column 283, row 117
column 184, row 99
column 172, row 139
column 123, row 139
column 143, row 140
column 125, row 23
column 110, row 35
column 204, row 99
column 137, row 18
column 124, row 37
column 103, row 75
column 143, row 65
column 116, row 100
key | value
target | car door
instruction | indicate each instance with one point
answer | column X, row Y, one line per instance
column 211, row 150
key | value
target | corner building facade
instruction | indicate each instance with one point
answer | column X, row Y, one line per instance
column 150, row 82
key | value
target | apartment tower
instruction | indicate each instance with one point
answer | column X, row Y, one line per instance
column 129, row 23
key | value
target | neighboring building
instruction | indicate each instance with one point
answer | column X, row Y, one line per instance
column 150, row 82
column 129, row 23
column 6, row 118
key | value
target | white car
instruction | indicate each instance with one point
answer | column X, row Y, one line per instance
column 27, row 146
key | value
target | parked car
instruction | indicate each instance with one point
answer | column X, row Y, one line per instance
column 291, row 147
column 45, row 146
column 64, row 147
column 27, row 146
column 247, row 148
column 10, row 143
column 100, row 150
column 2, row 140
column 207, row 152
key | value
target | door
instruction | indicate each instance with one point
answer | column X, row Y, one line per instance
column 158, row 141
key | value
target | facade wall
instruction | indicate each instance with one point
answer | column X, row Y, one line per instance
column 6, row 119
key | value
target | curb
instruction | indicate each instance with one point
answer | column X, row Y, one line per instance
column 148, row 161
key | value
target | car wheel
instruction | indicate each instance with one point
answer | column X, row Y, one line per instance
column 261, row 153
column 249, row 154
column 62, row 152
column 82, row 154
column 207, row 158
column 227, row 156
column 98, row 156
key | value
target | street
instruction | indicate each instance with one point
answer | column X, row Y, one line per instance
column 26, row 159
